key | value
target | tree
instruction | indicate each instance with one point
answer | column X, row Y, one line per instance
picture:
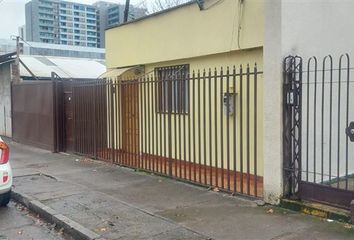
column 159, row 5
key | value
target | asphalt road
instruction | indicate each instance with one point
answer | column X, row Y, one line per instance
column 16, row 222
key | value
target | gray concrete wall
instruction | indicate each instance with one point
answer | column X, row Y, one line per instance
column 5, row 100
column 317, row 27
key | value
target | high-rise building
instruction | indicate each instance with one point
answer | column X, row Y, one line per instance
column 102, row 20
column 110, row 14
column 22, row 31
column 70, row 23
column 61, row 22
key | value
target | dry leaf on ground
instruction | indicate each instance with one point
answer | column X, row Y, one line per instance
column 270, row 211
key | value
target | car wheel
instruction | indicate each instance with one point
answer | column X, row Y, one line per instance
column 5, row 199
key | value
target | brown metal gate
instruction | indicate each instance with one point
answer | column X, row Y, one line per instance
column 90, row 106
column 202, row 127
column 42, row 114
column 33, row 111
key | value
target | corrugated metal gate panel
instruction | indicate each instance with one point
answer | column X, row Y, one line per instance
column 33, row 114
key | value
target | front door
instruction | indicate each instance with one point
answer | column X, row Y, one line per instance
column 130, row 118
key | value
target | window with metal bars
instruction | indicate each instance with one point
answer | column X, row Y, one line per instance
column 172, row 88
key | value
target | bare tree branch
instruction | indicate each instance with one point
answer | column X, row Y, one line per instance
column 159, row 5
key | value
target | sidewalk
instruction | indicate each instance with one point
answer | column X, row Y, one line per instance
column 118, row 203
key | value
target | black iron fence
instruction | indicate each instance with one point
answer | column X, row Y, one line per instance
column 203, row 127
column 319, row 127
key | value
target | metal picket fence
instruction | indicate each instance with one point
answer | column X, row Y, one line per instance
column 203, row 127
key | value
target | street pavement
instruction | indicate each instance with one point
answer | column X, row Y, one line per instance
column 17, row 223
column 119, row 203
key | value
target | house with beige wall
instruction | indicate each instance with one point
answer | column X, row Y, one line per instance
column 187, row 93
column 223, row 33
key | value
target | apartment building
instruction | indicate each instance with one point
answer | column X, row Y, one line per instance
column 111, row 14
column 71, row 23
column 61, row 22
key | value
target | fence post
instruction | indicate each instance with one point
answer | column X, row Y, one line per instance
column 169, row 82
column 95, row 119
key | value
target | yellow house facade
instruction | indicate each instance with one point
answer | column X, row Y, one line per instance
column 188, row 122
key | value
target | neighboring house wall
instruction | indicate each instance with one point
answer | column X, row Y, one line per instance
column 186, row 32
column 5, row 100
column 304, row 28
column 317, row 28
column 318, row 32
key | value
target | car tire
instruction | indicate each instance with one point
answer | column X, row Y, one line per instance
column 5, row 199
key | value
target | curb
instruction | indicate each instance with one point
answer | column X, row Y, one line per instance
column 72, row 228
column 318, row 210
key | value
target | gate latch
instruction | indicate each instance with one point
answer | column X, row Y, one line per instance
column 350, row 131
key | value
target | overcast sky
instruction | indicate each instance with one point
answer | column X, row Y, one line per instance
column 12, row 14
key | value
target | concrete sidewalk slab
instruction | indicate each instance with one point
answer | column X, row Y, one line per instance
column 71, row 227
column 119, row 203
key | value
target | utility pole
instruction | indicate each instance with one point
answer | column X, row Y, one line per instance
column 126, row 10
column 16, row 69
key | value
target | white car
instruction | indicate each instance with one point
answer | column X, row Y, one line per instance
column 5, row 174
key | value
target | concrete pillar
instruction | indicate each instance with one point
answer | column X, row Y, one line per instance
column 272, row 58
